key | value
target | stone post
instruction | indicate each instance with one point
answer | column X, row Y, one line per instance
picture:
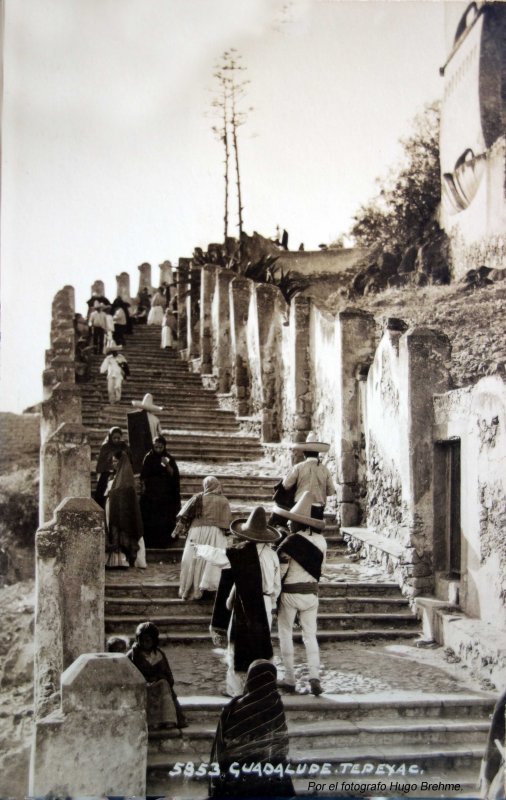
column 193, row 313
column 239, row 293
column 300, row 309
column 221, row 344
column 65, row 463
column 70, row 585
column 123, row 287
column 64, row 405
column 165, row 273
column 207, row 284
column 183, row 288
column 269, row 338
column 423, row 358
column 98, row 287
column 96, row 746
column 144, row 277
column 356, row 345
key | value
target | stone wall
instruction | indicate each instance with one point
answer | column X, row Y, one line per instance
column 476, row 416
column 408, row 368
column 472, row 141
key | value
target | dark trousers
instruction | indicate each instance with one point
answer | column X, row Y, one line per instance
column 98, row 339
column 119, row 334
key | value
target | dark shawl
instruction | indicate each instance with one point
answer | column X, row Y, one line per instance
column 123, row 511
column 252, row 730
column 307, row 554
column 108, row 449
column 155, row 672
column 492, row 758
column 160, row 499
column 139, row 436
column 250, row 628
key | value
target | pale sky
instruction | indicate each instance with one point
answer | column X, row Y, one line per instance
column 108, row 159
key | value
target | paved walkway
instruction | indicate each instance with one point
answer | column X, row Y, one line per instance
column 347, row 667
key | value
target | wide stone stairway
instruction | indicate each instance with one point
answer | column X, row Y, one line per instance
column 389, row 713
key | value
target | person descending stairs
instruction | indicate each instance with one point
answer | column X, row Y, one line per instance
column 389, row 713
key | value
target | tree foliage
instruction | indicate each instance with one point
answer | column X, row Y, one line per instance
column 402, row 212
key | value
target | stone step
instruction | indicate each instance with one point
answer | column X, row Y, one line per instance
column 173, row 554
column 161, row 783
column 147, row 606
column 328, row 622
column 312, row 735
column 427, row 760
column 377, row 707
column 120, row 585
column 188, row 633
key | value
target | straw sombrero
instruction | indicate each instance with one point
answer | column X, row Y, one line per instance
column 255, row 527
column 147, row 404
column 311, row 444
column 304, row 511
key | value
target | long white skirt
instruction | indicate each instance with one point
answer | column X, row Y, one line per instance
column 167, row 336
column 155, row 316
column 198, row 575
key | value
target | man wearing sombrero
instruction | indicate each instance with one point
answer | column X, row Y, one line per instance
column 302, row 559
column 311, row 475
column 143, row 427
column 253, row 568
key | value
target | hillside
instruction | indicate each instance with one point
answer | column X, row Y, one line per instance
column 472, row 318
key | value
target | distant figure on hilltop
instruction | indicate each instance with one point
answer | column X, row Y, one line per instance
column 140, row 316
column 169, row 326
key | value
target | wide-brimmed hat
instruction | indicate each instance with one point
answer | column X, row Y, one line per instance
column 305, row 511
column 255, row 527
column 147, row 404
column 311, row 444
column 113, row 348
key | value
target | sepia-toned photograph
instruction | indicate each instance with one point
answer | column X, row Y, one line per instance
column 253, row 399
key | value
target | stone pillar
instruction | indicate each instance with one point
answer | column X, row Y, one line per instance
column 70, row 586
column 240, row 291
column 207, row 284
column 269, row 335
column 165, row 273
column 97, row 744
column 220, row 327
column 300, row 309
column 65, row 463
column 64, row 405
column 356, row 345
column 62, row 313
column 123, row 287
column 193, row 313
column 183, row 288
column 144, row 277
column 98, row 287
column 423, row 358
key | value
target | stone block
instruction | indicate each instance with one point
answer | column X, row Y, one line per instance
column 64, row 405
column 348, row 513
column 144, row 277
column 345, row 493
column 96, row 744
column 65, row 463
column 70, row 585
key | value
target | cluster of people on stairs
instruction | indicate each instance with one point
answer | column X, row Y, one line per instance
column 108, row 325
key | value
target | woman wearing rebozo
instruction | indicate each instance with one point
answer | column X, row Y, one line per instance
column 206, row 517
column 252, row 731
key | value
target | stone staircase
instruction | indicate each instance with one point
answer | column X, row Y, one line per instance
column 343, row 742
column 342, row 738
